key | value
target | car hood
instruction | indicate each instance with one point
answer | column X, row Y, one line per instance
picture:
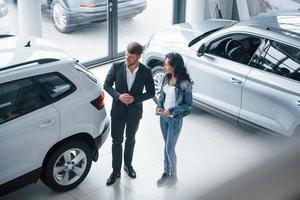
column 183, row 33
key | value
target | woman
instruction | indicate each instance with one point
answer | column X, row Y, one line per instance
column 174, row 102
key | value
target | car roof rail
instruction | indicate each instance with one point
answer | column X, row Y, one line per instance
column 5, row 35
column 277, row 29
column 39, row 61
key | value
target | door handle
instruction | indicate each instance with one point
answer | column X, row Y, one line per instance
column 236, row 81
column 48, row 123
column 298, row 103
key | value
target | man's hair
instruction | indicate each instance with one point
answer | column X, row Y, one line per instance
column 135, row 48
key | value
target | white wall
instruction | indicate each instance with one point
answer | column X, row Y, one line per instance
column 30, row 17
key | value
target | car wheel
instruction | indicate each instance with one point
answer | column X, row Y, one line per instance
column 67, row 167
column 157, row 74
column 60, row 17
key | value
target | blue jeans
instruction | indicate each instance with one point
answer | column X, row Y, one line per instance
column 170, row 128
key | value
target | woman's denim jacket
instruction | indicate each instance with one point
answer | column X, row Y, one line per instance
column 183, row 98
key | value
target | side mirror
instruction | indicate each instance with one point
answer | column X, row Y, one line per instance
column 201, row 50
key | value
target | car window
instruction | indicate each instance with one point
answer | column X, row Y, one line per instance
column 56, row 86
column 280, row 59
column 86, row 72
column 18, row 98
column 236, row 47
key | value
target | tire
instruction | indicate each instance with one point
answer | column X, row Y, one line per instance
column 127, row 17
column 60, row 17
column 67, row 166
column 157, row 74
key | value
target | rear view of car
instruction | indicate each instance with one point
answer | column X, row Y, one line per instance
column 52, row 116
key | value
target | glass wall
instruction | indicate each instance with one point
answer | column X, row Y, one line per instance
column 259, row 6
column 78, row 27
column 145, row 18
column 71, row 27
column 8, row 17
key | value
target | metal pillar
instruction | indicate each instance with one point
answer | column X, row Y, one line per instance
column 112, row 30
column 179, row 11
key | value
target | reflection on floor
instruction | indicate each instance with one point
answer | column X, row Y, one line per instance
column 210, row 151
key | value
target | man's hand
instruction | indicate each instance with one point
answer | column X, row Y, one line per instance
column 158, row 111
column 131, row 99
column 126, row 98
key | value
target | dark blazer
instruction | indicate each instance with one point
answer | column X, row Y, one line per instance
column 117, row 77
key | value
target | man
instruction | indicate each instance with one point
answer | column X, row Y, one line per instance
column 129, row 79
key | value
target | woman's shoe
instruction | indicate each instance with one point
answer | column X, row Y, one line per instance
column 163, row 178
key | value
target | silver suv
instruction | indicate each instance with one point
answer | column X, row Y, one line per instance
column 68, row 14
column 52, row 116
column 247, row 71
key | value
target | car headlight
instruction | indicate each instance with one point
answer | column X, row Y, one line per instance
column 3, row 10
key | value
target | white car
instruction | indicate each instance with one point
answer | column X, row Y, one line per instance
column 248, row 71
column 52, row 116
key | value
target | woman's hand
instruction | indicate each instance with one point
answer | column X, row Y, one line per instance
column 167, row 113
column 158, row 111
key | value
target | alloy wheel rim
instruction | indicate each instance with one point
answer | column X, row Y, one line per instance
column 59, row 16
column 70, row 166
column 158, row 78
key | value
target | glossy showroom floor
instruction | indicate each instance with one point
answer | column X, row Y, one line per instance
column 210, row 151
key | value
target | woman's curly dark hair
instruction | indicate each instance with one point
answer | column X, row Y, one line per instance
column 180, row 71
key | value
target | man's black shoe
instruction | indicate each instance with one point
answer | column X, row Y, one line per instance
column 130, row 171
column 112, row 179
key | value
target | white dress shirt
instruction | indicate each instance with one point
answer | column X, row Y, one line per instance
column 130, row 77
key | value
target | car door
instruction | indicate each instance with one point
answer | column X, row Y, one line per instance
column 219, row 74
column 29, row 126
column 271, row 95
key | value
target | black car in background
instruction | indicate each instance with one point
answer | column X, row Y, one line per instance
column 68, row 14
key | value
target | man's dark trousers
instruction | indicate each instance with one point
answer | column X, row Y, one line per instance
column 118, row 126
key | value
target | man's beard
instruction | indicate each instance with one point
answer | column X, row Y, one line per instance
column 131, row 64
